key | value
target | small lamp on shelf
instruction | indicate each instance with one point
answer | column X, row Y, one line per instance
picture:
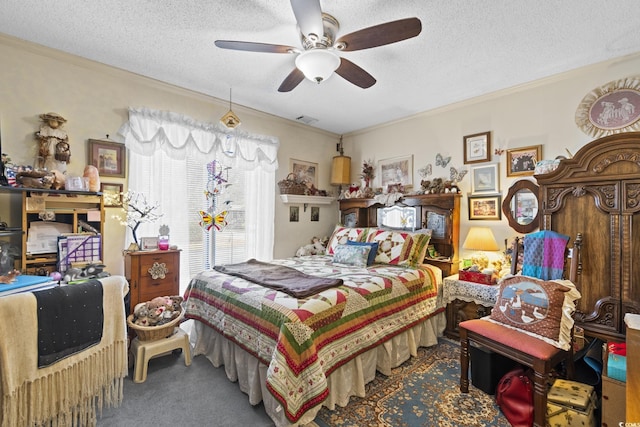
column 480, row 239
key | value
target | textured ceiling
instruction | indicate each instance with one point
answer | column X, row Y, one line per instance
column 467, row 48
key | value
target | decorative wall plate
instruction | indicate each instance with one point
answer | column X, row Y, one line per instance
column 612, row 108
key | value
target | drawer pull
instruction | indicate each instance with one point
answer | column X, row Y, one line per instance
column 158, row 270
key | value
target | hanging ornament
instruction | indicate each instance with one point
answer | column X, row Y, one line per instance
column 230, row 119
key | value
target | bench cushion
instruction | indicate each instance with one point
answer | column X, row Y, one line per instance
column 511, row 338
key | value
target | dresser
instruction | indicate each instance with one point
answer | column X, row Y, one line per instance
column 152, row 274
column 597, row 193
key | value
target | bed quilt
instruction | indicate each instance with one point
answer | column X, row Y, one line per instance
column 303, row 340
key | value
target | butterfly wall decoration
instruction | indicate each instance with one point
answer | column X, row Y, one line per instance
column 425, row 171
column 215, row 187
column 442, row 161
column 456, row 175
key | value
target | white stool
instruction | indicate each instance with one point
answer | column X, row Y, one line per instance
column 142, row 351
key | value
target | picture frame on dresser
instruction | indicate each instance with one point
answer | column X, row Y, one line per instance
column 112, row 194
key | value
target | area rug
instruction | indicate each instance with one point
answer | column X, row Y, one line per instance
column 424, row 391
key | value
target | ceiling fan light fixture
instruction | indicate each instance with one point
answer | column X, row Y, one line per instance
column 317, row 65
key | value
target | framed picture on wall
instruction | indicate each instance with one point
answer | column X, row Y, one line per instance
column 522, row 161
column 397, row 170
column 485, row 207
column 484, row 179
column 304, row 171
column 477, row 148
column 108, row 157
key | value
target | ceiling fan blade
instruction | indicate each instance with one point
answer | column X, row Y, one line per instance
column 309, row 16
column 293, row 79
column 255, row 47
column 354, row 74
column 380, row 35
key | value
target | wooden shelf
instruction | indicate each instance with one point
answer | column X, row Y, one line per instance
column 310, row 200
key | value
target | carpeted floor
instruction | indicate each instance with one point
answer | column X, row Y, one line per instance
column 421, row 392
column 424, row 391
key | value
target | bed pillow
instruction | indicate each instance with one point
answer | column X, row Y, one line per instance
column 394, row 247
column 351, row 255
column 540, row 308
column 340, row 236
column 372, row 253
column 421, row 241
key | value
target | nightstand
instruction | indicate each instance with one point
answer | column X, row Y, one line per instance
column 152, row 274
column 466, row 300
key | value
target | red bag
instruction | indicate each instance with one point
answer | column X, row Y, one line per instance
column 514, row 396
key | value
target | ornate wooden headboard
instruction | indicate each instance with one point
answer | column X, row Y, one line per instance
column 597, row 192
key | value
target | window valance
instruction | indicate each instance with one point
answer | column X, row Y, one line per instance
column 180, row 136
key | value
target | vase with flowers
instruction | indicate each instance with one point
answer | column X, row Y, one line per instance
column 368, row 172
column 136, row 210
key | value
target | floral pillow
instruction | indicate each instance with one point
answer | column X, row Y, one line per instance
column 351, row 255
column 340, row 236
column 542, row 309
column 394, row 247
column 372, row 253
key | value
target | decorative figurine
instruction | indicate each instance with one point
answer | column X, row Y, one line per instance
column 52, row 134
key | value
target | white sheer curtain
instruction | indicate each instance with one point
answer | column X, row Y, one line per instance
column 168, row 153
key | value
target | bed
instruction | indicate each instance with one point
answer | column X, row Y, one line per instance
column 298, row 354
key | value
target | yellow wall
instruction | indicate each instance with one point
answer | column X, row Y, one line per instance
column 94, row 99
column 542, row 112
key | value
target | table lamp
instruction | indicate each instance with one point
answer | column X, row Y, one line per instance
column 480, row 239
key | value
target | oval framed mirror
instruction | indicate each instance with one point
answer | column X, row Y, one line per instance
column 521, row 206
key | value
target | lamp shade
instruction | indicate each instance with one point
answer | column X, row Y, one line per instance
column 317, row 64
column 480, row 239
column 341, row 170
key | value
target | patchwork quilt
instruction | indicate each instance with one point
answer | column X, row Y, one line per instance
column 303, row 340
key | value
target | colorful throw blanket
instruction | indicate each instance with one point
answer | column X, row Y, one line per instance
column 303, row 340
column 544, row 255
column 70, row 319
column 279, row 277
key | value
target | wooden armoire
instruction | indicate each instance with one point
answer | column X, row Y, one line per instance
column 597, row 193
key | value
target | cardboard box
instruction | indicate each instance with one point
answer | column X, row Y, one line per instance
column 476, row 277
column 570, row 403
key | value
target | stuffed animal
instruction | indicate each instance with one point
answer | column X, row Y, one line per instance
column 141, row 314
column 316, row 247
column 158, row 311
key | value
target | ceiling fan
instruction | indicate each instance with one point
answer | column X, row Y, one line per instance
column 318, row 58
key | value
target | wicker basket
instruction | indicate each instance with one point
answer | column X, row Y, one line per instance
column 151, row 333
column 291, row 185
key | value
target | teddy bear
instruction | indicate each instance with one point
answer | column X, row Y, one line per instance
column 316, row 247
column 158, row 311
column 141, row 314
